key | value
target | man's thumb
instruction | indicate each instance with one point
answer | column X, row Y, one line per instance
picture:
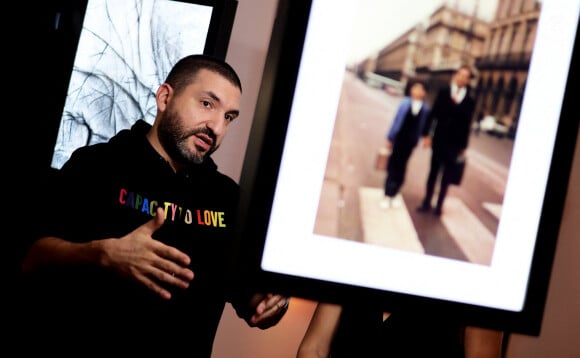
column 156, row 222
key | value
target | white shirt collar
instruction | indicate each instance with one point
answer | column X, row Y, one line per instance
column 416, row 106
column 458, row 94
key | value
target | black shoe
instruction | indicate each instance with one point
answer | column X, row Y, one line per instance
column 423, row 208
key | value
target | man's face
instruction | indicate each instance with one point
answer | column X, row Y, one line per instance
column 462, row 77
column 196, row 120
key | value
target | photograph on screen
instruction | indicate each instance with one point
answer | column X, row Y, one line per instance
column 125, row 51
column 393, row 46
column 328, row 221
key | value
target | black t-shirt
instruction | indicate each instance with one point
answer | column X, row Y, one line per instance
column 108, row 190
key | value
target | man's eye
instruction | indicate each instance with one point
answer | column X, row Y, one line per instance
column 206, row 103
column 229, row 117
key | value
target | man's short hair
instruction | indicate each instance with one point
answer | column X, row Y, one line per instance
column 465, row 67
column 184, row 71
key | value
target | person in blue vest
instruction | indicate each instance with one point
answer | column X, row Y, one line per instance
column 402, row 138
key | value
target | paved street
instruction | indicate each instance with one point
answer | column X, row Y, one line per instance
column 349, row 204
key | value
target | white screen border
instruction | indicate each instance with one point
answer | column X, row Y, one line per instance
column 293, row 249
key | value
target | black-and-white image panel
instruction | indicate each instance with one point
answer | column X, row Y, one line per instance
column 125, row 50
column 478, row 249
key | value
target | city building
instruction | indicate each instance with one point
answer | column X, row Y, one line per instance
column 499, row 51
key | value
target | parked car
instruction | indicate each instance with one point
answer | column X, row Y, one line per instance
column 490, row 125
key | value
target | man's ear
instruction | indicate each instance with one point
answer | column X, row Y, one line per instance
column 162, row 96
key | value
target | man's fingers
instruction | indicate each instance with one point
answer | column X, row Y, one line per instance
column 267, row 303
column 274, row 303
column 156, row 276
column 172, row 254
column 173, row 273
column 150, row 284
column 168, row 265
column 163, row 250
column 269, row 311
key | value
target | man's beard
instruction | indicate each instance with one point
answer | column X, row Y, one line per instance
column 173, row 137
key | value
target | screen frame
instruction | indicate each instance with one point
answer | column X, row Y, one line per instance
column 261, row 170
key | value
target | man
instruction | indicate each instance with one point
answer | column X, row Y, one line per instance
column 447, row 132
column 133, row 251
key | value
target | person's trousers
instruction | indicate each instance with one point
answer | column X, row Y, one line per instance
column 437, row 167
column 397, row 168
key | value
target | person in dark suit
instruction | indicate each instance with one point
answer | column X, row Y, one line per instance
column 447, row 133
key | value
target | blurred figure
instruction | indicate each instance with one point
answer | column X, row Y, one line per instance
column 402, row 138
column 447, row 133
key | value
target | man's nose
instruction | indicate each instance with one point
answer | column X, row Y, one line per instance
column 218, row 124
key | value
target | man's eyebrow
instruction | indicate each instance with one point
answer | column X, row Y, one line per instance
column 213, row 95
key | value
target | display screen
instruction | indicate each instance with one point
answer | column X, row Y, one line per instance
column 125, row 50
column 325, row 221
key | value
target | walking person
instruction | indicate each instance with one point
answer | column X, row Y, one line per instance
column 447, row 133
column 130, row 255
column 402, row 138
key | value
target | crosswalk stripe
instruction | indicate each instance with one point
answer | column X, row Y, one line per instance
column 493, row 209
column 496, row 173
column 394, row 228
column 391, row 227
column 474, row 239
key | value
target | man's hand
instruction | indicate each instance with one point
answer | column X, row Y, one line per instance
column 139, row 257
column 268, row 310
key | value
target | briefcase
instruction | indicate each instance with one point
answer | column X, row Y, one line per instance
column 382, row 158
column 454, row 171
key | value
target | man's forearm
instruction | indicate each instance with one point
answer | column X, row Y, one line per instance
column 53, row 251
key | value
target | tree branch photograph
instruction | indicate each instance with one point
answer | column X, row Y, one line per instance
column 125, row 50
